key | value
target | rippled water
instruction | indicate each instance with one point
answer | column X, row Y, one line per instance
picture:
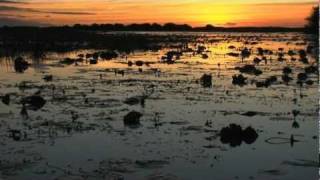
column 80, row 133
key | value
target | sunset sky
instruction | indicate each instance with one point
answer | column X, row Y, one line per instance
column 291, row 13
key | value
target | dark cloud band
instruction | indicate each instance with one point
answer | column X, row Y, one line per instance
column 11, row 2
column 18, row 9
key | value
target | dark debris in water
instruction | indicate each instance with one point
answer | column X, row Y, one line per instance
column 151, row 163
column 6, row 99
column 249, row 113
column 48, row 78
column 302, row 163
column 20, row 64
column 33, row 102
column 249, row 69
column 206, row 80
column 70, row 61
column 274, row 172
column 234, row 135
column 132, row 119
column 239, row 80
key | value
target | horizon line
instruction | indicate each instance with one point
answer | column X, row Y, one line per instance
column 154, row 23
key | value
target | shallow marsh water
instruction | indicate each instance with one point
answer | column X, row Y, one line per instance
column 80, row 134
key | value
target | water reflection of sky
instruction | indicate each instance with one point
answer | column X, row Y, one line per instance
column 192, row 150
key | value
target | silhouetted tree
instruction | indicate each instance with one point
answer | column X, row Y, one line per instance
column 156, row 26
column 176, row 27
column 313, row 22
column 312, row 27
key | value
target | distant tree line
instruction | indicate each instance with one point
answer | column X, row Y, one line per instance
column 177, row 27
column 135, row 27
column 158, row 27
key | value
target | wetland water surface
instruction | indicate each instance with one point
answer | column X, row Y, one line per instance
column 181, row 112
